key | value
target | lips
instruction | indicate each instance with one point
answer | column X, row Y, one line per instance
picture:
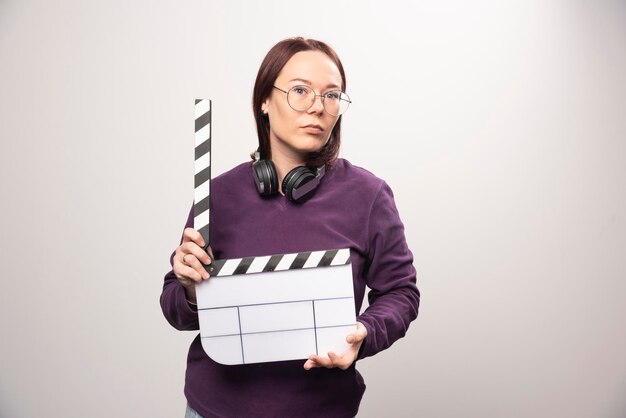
column 313, row 128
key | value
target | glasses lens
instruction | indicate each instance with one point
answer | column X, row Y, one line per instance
column 300, row 98
column 336, row 102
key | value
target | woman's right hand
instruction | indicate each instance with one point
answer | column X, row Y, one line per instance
column 188, row 262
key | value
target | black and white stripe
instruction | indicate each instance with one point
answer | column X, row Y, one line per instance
column 281, row 262
column 202, row 179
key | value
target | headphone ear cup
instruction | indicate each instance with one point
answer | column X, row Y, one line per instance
column 296, row 178
column 265, row 177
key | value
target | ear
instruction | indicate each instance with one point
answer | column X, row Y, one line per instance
column 264, row 106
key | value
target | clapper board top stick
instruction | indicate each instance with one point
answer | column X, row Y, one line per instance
column 202, row 177
column 273, row 307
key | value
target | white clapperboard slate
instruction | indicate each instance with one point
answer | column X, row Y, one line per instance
column 268, row 308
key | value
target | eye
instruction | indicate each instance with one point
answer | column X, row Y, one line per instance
column 300, row 90
column 332, row 95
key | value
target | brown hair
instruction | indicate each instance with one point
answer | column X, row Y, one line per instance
column 271, row 66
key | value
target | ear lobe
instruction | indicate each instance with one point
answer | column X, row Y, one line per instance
column 264, row 106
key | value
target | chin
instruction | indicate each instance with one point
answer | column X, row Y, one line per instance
column 310, row 144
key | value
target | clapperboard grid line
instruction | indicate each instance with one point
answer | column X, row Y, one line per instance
column 315, row 327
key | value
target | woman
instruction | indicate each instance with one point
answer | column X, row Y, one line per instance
column 298, row 99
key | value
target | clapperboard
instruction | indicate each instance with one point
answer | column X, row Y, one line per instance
column 273, row 307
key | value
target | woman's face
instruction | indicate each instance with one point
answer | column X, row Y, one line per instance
column 294, row 133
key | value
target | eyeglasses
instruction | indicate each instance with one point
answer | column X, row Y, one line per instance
column 301, row 98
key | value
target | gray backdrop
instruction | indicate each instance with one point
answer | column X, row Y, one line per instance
column 499, row 125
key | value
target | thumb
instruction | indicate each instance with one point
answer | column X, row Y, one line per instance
column 358, row 335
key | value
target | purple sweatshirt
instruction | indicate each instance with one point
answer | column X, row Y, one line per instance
column 352, row 209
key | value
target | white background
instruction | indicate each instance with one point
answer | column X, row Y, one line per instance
column 500, row 125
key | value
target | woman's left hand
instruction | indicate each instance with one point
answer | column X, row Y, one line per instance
column 345, row 359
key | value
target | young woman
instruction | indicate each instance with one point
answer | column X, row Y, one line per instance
column 264, row 207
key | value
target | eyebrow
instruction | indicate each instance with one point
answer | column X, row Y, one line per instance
column 331, row 85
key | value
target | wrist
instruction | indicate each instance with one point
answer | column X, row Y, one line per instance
column 190, row 295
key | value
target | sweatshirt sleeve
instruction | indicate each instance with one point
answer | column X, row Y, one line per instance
column 394, row 297
column 174, row 304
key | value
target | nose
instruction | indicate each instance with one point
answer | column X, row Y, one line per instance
column 317, row 106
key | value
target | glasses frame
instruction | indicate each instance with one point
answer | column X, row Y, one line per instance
column 321, row 96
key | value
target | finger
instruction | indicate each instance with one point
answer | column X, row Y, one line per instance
column 187, row 273
column 192, row 235
column 343, row 361
column 195, row 250
column 320, row 361
column 334, row 359
column 355, row 338
column 193, row 262
column 310, row 364
column 358, row 335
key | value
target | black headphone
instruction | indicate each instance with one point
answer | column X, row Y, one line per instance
column 298, row 185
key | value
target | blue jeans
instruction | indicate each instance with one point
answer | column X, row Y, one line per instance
column 192, row 413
